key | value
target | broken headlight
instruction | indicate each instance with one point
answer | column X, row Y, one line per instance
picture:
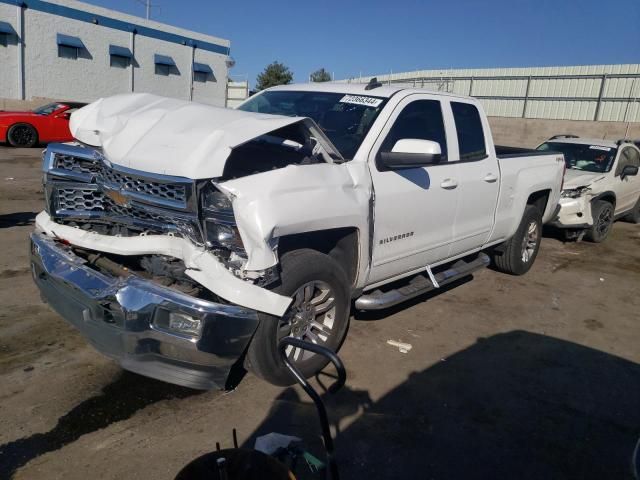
column 219, row 223
column 574, row 192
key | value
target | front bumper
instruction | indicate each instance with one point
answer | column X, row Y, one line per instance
column 119, row 316
column 574, row 213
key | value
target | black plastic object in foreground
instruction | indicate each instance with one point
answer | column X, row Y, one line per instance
column 332, row 470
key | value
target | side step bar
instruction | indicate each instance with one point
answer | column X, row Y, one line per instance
column 378, row 300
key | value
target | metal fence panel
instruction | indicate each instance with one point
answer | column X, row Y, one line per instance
column 585, row 92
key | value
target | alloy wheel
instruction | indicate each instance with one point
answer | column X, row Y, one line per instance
column 530, row 242
column 311, row 317
column 604, row 221
column 22, row 135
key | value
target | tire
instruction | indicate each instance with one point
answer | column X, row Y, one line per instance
column 634, row 215
column 324, row 280
column 22, row 135
column 602, row 213
column 516, row 255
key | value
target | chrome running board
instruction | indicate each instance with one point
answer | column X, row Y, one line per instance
column 378, row 300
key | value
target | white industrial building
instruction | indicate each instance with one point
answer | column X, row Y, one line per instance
column 588, row 92
column 68, row 50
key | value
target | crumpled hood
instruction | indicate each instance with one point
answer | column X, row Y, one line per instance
column 169, row 136
column 575, row 178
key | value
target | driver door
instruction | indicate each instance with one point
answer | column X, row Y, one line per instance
column 415, row 207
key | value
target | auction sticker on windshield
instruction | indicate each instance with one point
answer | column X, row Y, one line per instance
column 596, row 147
column 361, row 100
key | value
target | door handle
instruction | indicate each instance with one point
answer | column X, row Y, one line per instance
column 449, row 184
column 490, row 178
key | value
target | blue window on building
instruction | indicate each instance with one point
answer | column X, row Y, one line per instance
column 6, row 31
column 165, row 65
column 68, row 46
column 202, row 72
column 119, row 57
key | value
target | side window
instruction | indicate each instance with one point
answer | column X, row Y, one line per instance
column 420, row 119
column 629, row 156
column 470, row 132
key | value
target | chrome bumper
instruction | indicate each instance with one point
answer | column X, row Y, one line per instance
column 120, row 317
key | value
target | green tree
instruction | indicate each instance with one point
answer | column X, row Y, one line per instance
column 275, row 73
column 320, row 75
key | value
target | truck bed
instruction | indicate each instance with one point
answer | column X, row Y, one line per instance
column 503, row 152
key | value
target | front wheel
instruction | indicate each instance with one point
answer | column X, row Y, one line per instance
column 516, row 255
column 602, row 213
column 22, row 135
column 319, row 313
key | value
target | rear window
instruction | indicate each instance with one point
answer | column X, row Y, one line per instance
column 470, row 133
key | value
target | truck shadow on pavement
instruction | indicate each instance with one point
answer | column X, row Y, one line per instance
column 515, row 405
column 18, row 219
column 117, row 401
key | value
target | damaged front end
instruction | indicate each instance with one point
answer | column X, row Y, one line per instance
column 151, row 264
column 574, row 214
column 148, row 328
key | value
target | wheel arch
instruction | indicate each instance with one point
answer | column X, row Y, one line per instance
column 539, row 199
column 607, row 196
column 341, row 244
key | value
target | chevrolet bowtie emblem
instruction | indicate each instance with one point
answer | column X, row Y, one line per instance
column 118, row 197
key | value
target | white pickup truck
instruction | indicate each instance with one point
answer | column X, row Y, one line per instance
column 185, row 240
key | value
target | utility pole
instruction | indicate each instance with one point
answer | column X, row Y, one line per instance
column 148, row 3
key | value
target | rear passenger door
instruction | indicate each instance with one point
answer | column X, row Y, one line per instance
column 628, row 189
column 479, row 178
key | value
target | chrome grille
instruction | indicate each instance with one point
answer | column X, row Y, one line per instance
column 136, row 184
column 81, row 185
column 79, row 199
column 74, row 164
column 167, row 191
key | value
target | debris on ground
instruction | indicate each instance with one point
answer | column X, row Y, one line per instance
column 403, row 347
column 273, row 441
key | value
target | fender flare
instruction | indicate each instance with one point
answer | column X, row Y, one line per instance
column 607, row 194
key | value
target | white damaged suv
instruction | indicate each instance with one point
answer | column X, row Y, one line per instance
column 601, row 185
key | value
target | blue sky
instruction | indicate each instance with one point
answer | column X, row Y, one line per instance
column 374, row 37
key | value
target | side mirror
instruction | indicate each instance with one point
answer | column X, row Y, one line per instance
column 64, row 115
column 410, row 153
column 629, row 171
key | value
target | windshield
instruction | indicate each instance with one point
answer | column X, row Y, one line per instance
column 345, row 119
column 590, row 158
column 48, row 109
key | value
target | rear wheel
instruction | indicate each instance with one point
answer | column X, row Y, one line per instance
column 602, row 213
column 319, row 313
column 516, row 256
column 22, row 135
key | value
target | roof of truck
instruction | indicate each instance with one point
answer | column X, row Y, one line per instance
column 385, row 91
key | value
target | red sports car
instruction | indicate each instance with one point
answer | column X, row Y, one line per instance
column 49, row 123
